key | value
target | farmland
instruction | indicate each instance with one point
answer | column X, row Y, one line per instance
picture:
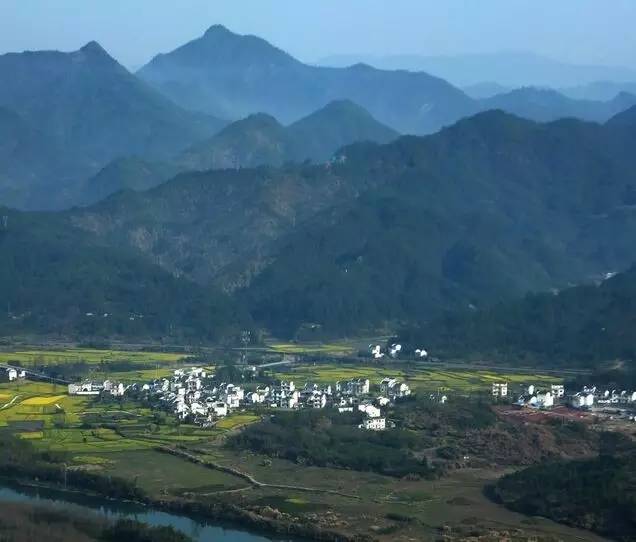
column 125, row 437
column 42, row 357
column 425, row 378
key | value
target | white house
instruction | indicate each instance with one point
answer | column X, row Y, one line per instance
column 545, row 400
column 394, row 350
column 500, row 389
column 394, row 388
column 85, row 388
column 370, row 410
column 198, row 409
column 13, row 374
column 374, row 424
column 357, row 386
column 558, row 390
column 583, row 400
column 218, row 409
column 313, row 399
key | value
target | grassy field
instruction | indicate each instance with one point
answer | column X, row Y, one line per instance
column 32, row 357
column 333, row 349
column 423, row 378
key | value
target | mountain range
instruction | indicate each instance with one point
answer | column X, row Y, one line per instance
column 508, row 68
column 254, row 141
column 233, row 76
column 104, row 129
column 546, row 105
column 75, row 112
column 483, row 211
column 224, row 74
column 261, row 140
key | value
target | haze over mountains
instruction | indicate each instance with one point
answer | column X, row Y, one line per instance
column 483, row 211
column 510, row 69
column 304, row 209
column 287, row 111
column 86, row 110
column 233, row 76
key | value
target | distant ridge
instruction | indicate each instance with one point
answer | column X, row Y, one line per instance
column 261, row 140
column 230, row 76
column 92, row 108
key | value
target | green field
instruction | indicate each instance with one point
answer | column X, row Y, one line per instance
column 30, row 357
column 423, row 378
column 333, row 349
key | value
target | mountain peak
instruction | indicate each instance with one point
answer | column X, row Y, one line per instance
column 217, row 30
column 94, row 48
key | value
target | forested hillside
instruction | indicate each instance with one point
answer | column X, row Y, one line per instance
column 56, row 281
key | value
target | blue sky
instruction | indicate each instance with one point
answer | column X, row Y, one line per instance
column 579, row 31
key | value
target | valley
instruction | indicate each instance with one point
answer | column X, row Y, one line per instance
column 128, row 438
column 386, row 296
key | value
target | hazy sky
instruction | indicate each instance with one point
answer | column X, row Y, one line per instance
column 580, row 31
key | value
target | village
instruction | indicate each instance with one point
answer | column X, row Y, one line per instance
column 195, row 395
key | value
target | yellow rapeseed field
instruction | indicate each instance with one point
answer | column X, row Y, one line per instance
column 43, row 401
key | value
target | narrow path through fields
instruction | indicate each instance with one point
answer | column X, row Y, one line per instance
column 7, row 405
column 246, row 476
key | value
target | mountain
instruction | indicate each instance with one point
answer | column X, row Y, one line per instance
column 581, row 324
column 625, row 119
column 599, row 90
column 508, row 68
column 256, row 140
column 26, row 156
column 85, row 103
column 233, row 76
column 219, row 226
column 261, row 140
column 546, row 105
column 319, row 135
column 56, row 281
column 484, row 211
column 129, row 173
column 480, row 91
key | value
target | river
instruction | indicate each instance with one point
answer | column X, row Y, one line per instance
column 198, row 529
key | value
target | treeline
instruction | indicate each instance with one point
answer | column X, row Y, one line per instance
column 597, row 494
column 19, row 460
column 327, row 438
column 581, row 324
column 22, row 522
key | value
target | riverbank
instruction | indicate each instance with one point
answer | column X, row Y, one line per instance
column 268, row 522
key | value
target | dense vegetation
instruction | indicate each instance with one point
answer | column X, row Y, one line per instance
column 53, row 281
column 482, row 212
column 585, row 323
column 24, row 523
column 597, row 494
column 20, row 460
column 479, row 213
column 330, row 439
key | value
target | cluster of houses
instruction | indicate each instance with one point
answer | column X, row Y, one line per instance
column 194, row 394
column 586, row 398
column 107, row 387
